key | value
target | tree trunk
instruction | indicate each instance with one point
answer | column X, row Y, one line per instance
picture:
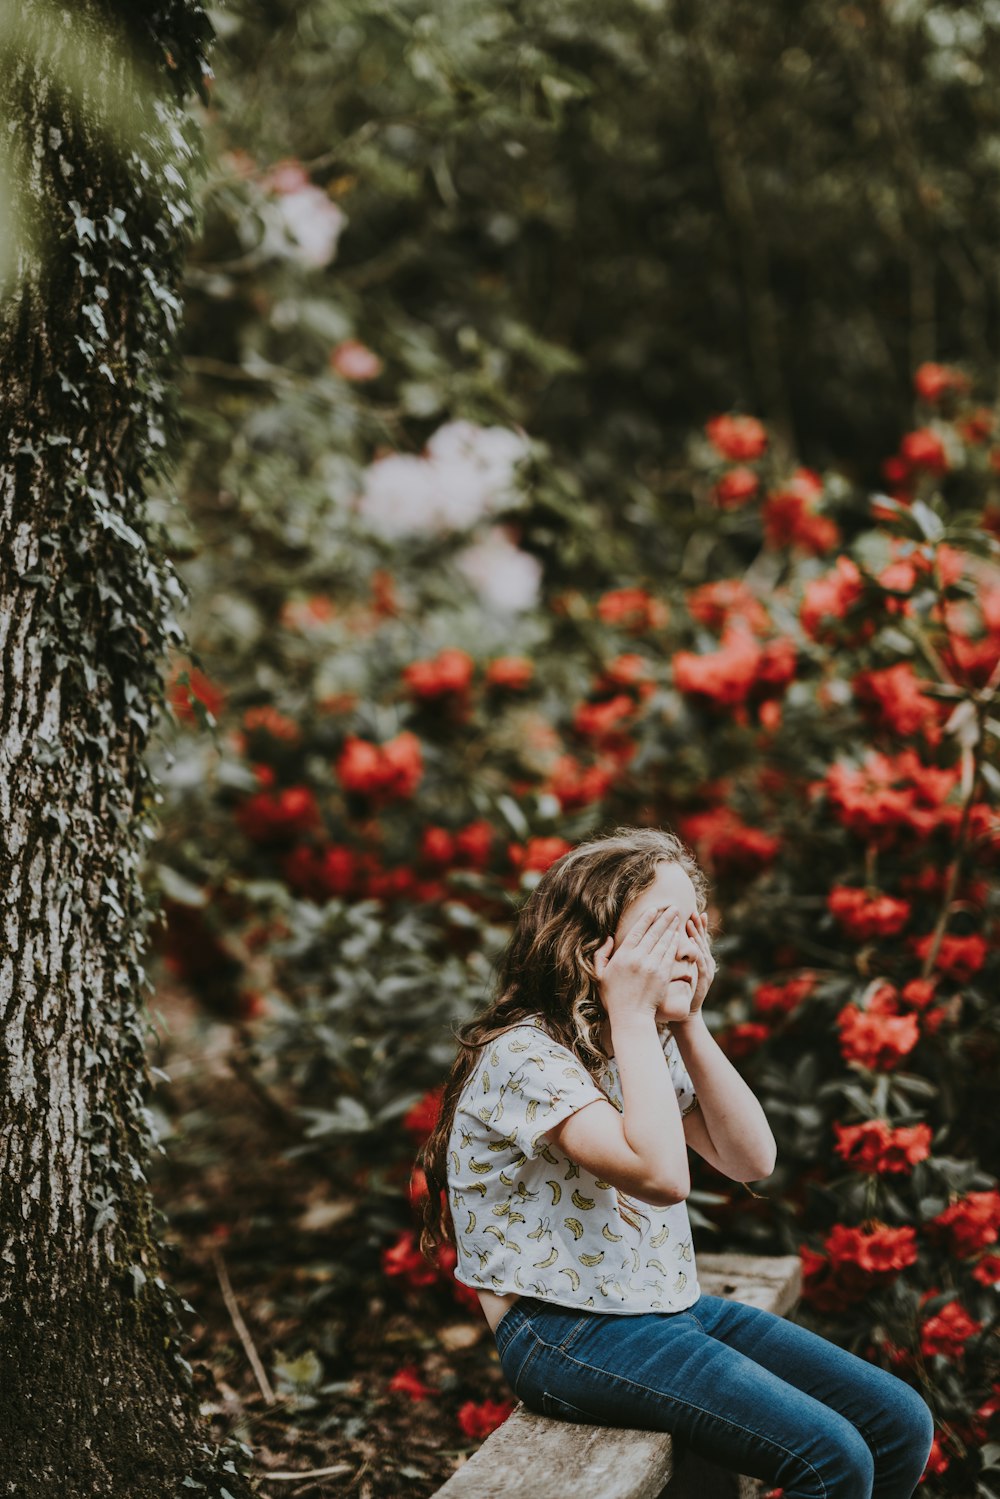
column 95, row 1396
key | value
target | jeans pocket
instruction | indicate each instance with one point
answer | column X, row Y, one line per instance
column 562, row 1410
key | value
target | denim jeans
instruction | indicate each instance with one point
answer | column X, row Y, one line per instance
column 745, row 1388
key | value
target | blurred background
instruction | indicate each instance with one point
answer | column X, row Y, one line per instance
column 588, row 417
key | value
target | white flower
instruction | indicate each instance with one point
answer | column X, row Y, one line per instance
column 504, row 576
column 313, row 223
column 466, row 473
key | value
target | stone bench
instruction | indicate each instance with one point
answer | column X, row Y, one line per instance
column 533, row 1457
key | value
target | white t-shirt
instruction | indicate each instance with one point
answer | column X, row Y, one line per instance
column 527, row 1218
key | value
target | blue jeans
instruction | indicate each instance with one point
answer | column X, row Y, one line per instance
column 747, row 1389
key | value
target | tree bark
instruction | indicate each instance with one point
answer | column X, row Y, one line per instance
column 96, row 1398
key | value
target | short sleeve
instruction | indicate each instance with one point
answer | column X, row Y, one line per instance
column 529, row 1084
column 679, row 1075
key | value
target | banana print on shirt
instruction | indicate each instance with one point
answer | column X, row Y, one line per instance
column 530, row 1220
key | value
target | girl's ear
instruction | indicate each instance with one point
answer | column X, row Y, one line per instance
column 602, row 955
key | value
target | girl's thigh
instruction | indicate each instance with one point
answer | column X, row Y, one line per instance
column 666, row 1372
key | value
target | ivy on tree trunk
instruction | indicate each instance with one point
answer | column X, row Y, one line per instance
column 97, row 160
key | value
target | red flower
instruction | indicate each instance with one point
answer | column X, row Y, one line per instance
column 743, row 1038
column 923, row 449
column 267, row 720
column 450, row 671
column 718, row 604
column 407, row 1381
column 932, row 381
column 863, row 916
column 512, row 672
column 987, row 1270
column 937, row 1461
column 474, row 844
column 875, row 1147
column 403, row 1258
column 728, row 843
column 878, row 1042
column 783, row 998
column 424, row 1115
column 791, row 517
column 478, row 1421
column 632, row 609
column 537, row 853
column 948, row 1331
column 737, row 437
column 274, row 815
column 306, row 613
column 578, row 785
column 968, row 1224
column 856, row 1262
column 887, row 795
column 894, row 699
column 736, row 487
column 599, row 720
column 830, row 598
column 959, row 958
column 390, row 770
column 182, row 696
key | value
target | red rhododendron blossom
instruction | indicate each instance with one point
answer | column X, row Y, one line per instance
column 879, row 1251
column 450, row 671
column 876, row 1147
column 863, row 916
column 959, row 958
column 307, row 613
column 403, row 1258
column 856, row 1261
column 437, row 846
column 512, row 672
column 424, row 1115
column 728, row 843
column 353, row 360
column 932, row 381
column 271, row 816
column 627, row 670
column 477, row 1421
column 889, row 794
column 737, row 437
column 474, row 844
column 735, row 488
column 739, row 670
column 783, row 998
column 717, row 604
column 598, row 720
column 407, row 1381
column 987, row 1270
column 791, row 516
column 632, row 609
column 948, row 1331
column 878, row 1042
column 182, row 696
column 321, row 872
column 976, row 426
column 743, row 1038
column 538, row 853
column 578, row 785
column 968, row 1224
column 938, row 1461
column 924, row 449
column 266, row 719
column 393, row 769
column 894, row 699
column 830, row 598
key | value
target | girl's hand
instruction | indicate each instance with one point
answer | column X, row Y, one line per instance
column 697, row 927
column 630, row 977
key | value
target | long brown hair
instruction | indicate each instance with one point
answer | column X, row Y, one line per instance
column 546, row 970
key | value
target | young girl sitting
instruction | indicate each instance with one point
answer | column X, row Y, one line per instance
column 562, row 1143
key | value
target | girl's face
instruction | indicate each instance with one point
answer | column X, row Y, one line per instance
column 670, row 887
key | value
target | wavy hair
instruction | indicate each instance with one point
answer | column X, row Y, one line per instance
column 546, row 970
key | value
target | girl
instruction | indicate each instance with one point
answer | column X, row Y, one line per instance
column 562, row 1146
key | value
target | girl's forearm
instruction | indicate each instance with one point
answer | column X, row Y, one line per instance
column 652, row 1116
column 733, row 1117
